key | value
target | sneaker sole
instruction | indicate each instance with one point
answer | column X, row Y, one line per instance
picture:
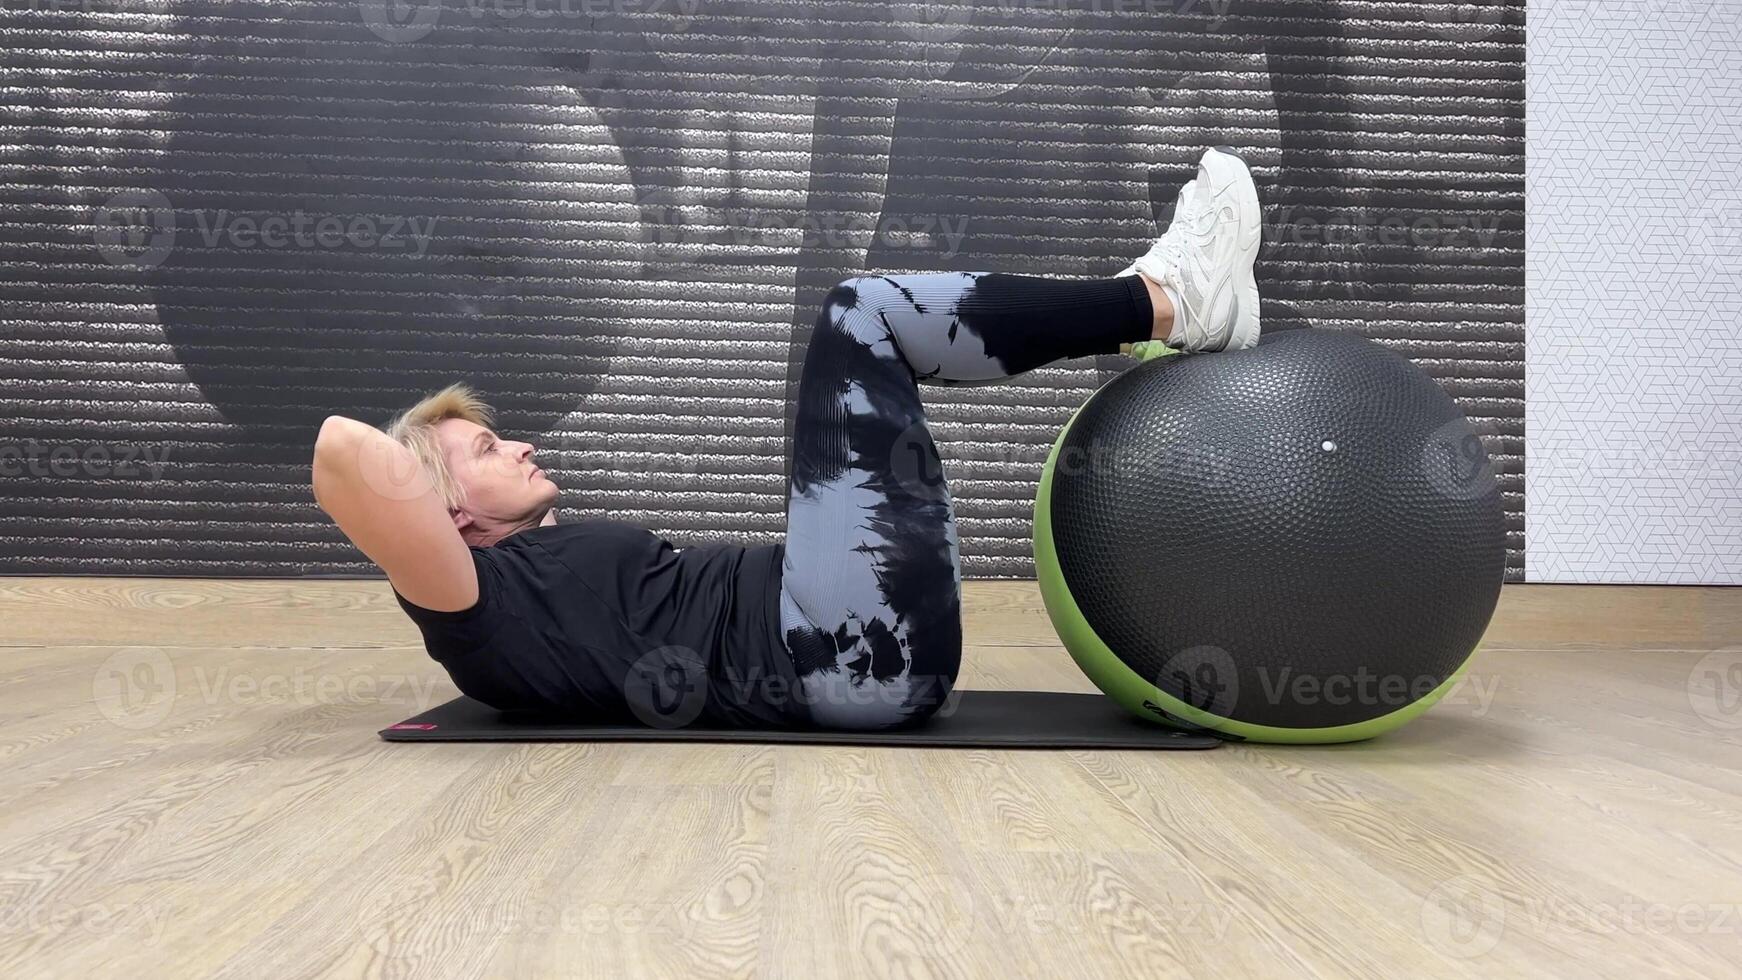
column 1228, row 172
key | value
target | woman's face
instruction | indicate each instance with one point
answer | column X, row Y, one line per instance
column 505, row 490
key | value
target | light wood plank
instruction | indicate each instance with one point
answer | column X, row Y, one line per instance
column 1575, row 807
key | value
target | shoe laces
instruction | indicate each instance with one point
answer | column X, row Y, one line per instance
column 1170, row 256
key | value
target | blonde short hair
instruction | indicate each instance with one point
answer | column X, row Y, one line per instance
column 415, row 429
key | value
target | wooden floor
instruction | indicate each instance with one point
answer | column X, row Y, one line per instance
column 192, row 786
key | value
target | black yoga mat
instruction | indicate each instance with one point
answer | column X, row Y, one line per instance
column 975, row 719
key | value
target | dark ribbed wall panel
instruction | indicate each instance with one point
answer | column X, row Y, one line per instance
column 632, row 210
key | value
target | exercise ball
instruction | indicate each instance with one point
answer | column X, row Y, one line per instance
column 1299, row 542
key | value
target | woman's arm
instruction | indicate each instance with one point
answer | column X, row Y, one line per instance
column 379, row 495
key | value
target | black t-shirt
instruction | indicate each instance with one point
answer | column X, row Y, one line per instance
column 579, row 619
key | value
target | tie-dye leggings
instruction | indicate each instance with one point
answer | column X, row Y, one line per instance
column 870, row 601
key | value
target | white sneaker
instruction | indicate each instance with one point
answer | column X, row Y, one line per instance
column 1206, row 255
column 1175, row 227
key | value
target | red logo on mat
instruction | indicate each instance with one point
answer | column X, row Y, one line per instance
column 405, row 725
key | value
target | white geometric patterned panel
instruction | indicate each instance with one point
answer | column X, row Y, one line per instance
column 1633, row 338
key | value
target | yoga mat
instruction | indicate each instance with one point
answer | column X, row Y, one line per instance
column 976, row 719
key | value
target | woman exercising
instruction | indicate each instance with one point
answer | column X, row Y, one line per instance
column 853, row 623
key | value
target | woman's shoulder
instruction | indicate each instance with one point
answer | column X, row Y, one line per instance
column 585, row 529
column 589, row 542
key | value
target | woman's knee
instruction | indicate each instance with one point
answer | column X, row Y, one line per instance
column 851, row 340
column 861, row 299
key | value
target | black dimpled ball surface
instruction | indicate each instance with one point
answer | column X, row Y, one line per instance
column 1313, row 514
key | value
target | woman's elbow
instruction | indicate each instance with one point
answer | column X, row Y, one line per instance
column 335, row 430
column 334, row 446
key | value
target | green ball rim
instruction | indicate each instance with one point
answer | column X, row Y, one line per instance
column 1131, row 691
